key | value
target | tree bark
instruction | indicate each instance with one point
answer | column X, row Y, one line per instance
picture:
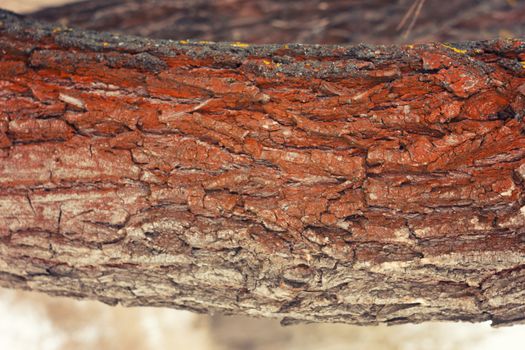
column 354, row 184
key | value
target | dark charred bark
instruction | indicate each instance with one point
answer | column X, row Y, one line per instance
column 304, row 21
column 353, row 184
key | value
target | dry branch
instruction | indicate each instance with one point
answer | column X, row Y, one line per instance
column 351, row 184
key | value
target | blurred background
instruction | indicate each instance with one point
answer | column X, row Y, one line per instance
column 36, row 321
column 286, row 21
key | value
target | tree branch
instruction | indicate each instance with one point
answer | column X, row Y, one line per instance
column 356, row 184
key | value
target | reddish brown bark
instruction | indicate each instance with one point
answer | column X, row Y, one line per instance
column 352, row 184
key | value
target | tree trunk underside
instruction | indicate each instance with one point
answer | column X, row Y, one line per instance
column 352, row 184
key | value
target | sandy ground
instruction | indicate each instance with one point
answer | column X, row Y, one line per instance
column 22, row 6
column 36, row 321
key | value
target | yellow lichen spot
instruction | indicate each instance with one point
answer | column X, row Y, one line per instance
column 203, row 42
column 278, row 64
column 410, row 46
column 266, row 62
column 522, row 64
column 184, row 42
column 286, row 46
column 455, row 49
column 239, row 44
column 57, row 29
column 105, row 44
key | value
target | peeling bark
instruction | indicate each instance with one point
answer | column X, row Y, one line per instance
column 352, row 184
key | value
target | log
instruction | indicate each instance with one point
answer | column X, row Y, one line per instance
column 356, row 184
column 304, row 21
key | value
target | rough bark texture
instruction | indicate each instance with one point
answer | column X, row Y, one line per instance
column 304, row 21
column 312, row 183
